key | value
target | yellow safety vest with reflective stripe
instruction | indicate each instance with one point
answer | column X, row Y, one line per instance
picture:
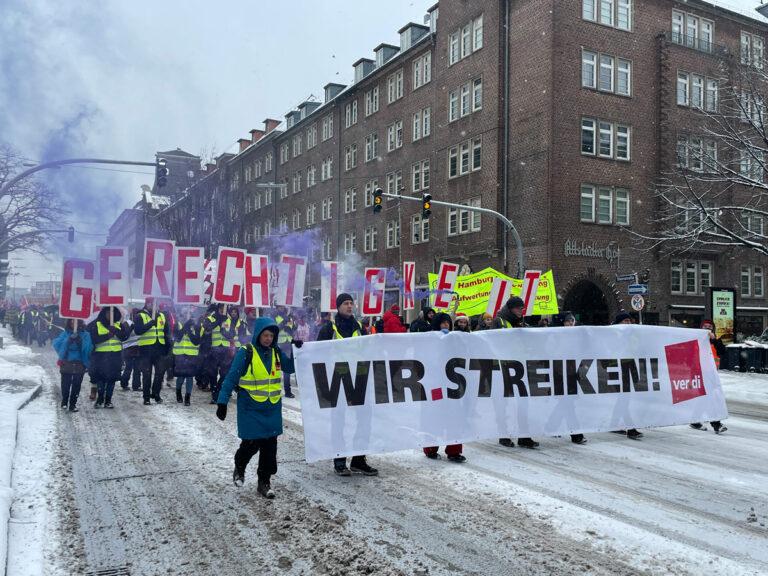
column 185, row 347
column 337, row 335
column 261, row 384
column 217, row 338
column 154, row 334
column 283, row 337
column 111, row 345
column 504, row 323
column 236, row 334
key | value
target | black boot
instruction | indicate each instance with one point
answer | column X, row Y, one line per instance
column 263, row 487
column 178, row 396
column 186, row 399
column 238, row 477
column 507, row 442
column 527, row 443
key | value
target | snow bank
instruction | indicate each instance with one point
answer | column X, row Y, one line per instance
column 745, row 387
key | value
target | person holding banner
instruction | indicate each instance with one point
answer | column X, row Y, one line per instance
column 570, row 320
column 154, row 341
column 216, row 337
column 624, row 318
column 74, row 348
column 186, row 356
column 461, row 324
column 131, row 373
column 257, row 370
column 718, row 351
column 107, row 334
column 345, row 325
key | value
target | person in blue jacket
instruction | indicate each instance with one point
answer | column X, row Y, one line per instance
column 74, row 348
column 257, row 371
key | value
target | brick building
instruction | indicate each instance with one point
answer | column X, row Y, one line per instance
column 561, row 114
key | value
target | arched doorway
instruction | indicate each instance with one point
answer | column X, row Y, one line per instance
column 588, row 303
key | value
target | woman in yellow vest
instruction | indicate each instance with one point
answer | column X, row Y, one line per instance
column 107, row 358
column 257, row 370
column 186, row 357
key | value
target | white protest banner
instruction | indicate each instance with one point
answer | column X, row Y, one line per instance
column 290, row 286
column 373, row 292
column 190, row 265
column 329, row 285
column 78, row 279
column 499, row 293
column 446, row 280
column 530, row 287
column 230, row 273
column 256, row 286
column 376, row 394
column 114, row 283
column 158, row 268
column 409, row 285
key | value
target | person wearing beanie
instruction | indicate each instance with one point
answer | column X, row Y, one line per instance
column 461, row 324
column 345, row 325
column 391, row 321
column 424, row 322
column 486, row 322
column 624, row 318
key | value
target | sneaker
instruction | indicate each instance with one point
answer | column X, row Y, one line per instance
column 108, row 405
column 634, row 434
column 432, row 455
column 720, row 429
column 158, row 400
column 459, row 458
column 527, row 443
column 507, row 442
column 74, row 409
column 364, row 469
column 578, row 439
column 265, row 490
column 697, row 425
column 290, row 395
column 63, row 404
column 342, row 471
column 147, row 402
column 98, row 405
column 238, row 477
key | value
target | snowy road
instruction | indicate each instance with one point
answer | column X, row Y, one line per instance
column 149, row 491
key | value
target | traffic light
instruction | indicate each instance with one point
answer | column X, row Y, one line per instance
column 71, row 234
column 161, row 173
column 378, row 200
column 426, row 205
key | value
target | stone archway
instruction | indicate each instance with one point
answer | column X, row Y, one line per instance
column 592, row 298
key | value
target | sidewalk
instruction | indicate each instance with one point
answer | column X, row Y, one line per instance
column 20, row 381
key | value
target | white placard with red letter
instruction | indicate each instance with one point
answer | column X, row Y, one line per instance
column 114, row 283
column 446, row 281
column 409, row 285
column 530, row 287
column 499, row 294
column 290, row 285
column 330, row 276
column 158, row 268
column 373, row 293
column 230, row 275
column 256, row 285
column 78, row 280
column 190, row 270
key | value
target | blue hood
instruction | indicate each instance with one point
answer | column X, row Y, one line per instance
column 260, row 324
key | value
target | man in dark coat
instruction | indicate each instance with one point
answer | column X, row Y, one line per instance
column 154, row 343
column 107, row 357
column 424, row 322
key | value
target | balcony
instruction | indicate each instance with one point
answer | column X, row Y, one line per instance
column 697, row 43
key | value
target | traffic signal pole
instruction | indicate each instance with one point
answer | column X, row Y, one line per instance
column 498, row 215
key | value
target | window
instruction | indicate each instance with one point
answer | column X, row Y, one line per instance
column 350, row 114
column 326, row 207
column 296, row 219
column 371, row 147
column 419, row 229
column 283, row 153
column 464, row 221
column 682, row 89
column 426, row 122
column 697, row 91
column 370, row 238
column 395, row 182
column 453, row 106
column 311, row 136
column 710, row 97
column 311, row 213
column 296, row 145
column 370, row 186
column 284, row 189
column 587, row 136
column 311, row 176
column 751, row 165
column 623, row 77
column 752, row 223
column 327, row 249
column 606, row 73
column 350, row 157
column 464, row 100
column 605, row 142
column 453, row 49
column 676, row 281
column 691, row 278
column 604, row 205
column 757, row 281
column 705, row 276
column 588, row 69
column 416, row 127
column 465, row 157
column 395, row 86
column 393, row 234
column 248, row 172
column 420, row 176
column 395, row 136
column 372, row 101
column 422, row 70
column 746, row 281
column 465, row 41
column 268, row 163
column 477, row 31
column 297, row 182
column 615, row 13
column 267, row 196
column 477, row 94
column 257, row 169
column 622, row 142
column 326, row 169
column 691, row 31
column 327, row 129
column 350, row 238
column 350, row 200
column 752, row 49
column 613, row 140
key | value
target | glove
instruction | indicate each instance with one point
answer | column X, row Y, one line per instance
column 221, row 411
column 297, row 343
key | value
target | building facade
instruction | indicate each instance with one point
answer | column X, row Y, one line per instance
column 560, row 114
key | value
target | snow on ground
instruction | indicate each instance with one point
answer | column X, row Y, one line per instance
column 147, row 490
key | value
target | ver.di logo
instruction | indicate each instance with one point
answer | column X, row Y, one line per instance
column 685, row 371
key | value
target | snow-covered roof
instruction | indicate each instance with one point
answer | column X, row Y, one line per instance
column 733, row 6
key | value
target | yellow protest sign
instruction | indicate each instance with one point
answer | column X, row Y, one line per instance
column 473, row 291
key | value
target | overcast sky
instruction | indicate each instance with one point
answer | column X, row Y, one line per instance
column 119, row 79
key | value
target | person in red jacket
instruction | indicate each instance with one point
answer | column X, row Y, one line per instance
column 392, row 322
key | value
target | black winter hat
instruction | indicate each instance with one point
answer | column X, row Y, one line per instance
column 620, row 317
column 515, row 302
column 343, row 297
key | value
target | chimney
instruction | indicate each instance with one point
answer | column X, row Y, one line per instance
column 384, row 53
column 210, row 167
column 306, row 108
column 410, row 34
column 363, row 67
column 332, row 90
column 270, row 124
column 244, row 143
column 256, row 135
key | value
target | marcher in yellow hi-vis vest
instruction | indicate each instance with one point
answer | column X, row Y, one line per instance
column 215, row 348
column 186, row 356
column 154, row 343
column 345, row 325
column 107, row 359
column 257, row 370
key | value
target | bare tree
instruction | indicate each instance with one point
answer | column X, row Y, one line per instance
column 715, row 194
column 29, row 210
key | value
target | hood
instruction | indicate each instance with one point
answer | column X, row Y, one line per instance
column 103, row 316
column 264, row 323
column 439, row 318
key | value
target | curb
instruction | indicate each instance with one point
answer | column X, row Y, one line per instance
column 34, row 394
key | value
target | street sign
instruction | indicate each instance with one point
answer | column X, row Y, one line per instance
column 638, row 302
column 637, row 289
column 625, row 277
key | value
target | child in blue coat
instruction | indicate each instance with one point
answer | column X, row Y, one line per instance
column 257, row 372
column 74, row 347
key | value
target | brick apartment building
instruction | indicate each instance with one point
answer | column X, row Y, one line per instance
column 560, row 114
